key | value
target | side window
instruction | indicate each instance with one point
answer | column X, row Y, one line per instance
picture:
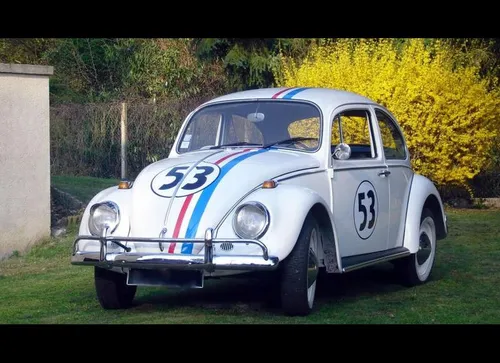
column 392, row 139
column 241, row 129
column 352, row 127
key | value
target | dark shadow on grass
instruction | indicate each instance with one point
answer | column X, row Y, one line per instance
column 376, row 280
column 256, row 293
column 227, row 294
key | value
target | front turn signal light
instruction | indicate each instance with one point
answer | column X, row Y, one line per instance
column 269, row 184
column 124, row 184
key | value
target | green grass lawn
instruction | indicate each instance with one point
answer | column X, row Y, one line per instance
column 82, row 187
column 42, row 287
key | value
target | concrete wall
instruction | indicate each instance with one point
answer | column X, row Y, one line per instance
column 24, row 156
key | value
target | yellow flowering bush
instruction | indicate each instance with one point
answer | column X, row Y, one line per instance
column 450, row 115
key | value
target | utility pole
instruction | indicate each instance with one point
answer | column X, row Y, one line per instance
column 124, row 140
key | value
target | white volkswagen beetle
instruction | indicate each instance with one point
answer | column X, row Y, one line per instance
column 290, row 180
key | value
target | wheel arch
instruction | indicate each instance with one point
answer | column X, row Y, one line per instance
column 432, row 203
column 289, row 205
column 423, row 194
column 328, row 240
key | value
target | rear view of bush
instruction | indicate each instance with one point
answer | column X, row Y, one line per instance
column 450, row 115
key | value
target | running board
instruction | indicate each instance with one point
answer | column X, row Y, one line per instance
column 359, row 261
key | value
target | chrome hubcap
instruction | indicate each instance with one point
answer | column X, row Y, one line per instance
column 312, row 267
column 424, row 249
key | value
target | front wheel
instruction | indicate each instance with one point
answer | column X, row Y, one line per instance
column 300, row 271
column 112, row 289
column 416, row 268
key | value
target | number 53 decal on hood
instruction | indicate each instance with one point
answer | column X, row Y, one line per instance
column 175, row 182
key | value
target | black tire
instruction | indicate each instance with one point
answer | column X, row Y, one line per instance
column 294, row 273
column 408, row 267
column 112, row 289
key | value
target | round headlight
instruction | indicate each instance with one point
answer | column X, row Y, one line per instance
column 103, row 215
column 250, row 220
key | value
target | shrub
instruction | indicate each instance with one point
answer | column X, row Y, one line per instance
column 449, row 113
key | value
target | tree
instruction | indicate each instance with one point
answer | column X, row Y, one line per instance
column 251, row 62
column 102, row 69
column 447, row 103
column 25, row 50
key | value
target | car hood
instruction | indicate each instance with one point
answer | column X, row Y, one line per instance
column 164, row 196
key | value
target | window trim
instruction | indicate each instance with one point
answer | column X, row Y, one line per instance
column 373, row 142
column 398, row 130
column 188, row 120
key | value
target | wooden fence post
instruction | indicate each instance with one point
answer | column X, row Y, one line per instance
column 124, row 140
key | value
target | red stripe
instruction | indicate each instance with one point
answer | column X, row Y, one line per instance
column 282, row 91
column 185, row 206
column 228, row 156
column 179, row 221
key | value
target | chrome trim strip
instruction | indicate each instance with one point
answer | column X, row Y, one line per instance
column 375, row 261
column 301, row 174
column 389, row 165
column 176, row 261
column 296, row 171
column 382, row 166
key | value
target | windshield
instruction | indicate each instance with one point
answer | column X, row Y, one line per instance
column 282, row 124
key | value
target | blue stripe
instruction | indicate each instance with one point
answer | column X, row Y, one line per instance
column 198, row 211
column 294, row 92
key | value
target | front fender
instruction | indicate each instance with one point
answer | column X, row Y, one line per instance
column 288, row 207
column 423, row 193
column 119, row 196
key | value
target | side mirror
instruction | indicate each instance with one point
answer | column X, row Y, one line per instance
column 342, row 152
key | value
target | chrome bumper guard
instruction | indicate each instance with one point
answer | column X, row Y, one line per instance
column 207, row 262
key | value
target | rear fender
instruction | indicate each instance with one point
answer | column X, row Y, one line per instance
column 423, row 194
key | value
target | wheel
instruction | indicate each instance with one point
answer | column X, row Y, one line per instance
column 112, row 289
column 300, row 270
column 416, row 268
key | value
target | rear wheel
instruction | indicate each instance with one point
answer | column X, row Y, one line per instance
column 300, row 270
column 416, row 268
column 112, row 289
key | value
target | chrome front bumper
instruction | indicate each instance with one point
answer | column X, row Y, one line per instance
column 207, row 262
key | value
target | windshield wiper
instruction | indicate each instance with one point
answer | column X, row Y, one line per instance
column 241, row 143
column 289, row 140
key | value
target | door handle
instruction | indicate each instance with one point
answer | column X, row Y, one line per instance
column 382, row 173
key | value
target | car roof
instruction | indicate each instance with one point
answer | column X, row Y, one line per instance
column 326, row 98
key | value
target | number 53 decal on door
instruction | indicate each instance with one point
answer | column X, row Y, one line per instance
column 167, row 181
column 365, row 209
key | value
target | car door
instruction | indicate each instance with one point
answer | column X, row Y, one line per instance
column 360, row 188
column 397, row 160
